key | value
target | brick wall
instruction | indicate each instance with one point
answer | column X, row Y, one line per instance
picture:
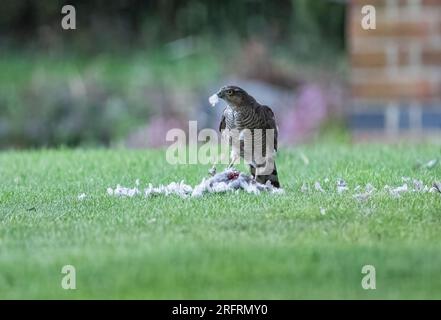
column 396, row 69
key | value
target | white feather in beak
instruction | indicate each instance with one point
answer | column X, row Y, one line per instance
column 214, row 99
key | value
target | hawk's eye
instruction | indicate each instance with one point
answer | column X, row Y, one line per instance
column 229, row 92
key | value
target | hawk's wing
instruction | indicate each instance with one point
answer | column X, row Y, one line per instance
column 222, row 124
column 267, row 114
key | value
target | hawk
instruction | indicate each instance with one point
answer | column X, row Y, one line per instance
column 252, row 133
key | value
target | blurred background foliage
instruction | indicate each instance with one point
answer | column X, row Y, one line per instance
column 130, row 62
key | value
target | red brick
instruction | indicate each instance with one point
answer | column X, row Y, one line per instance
column 389, row 28
column 436, row 3
column 368, row 59
column 376, row 3
column 377, row 59
column 394, row 89
column 431, row 56
column 383, row 137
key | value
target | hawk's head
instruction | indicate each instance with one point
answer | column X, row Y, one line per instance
column 234, row 96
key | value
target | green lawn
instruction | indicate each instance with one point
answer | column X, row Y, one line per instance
column 218, row 246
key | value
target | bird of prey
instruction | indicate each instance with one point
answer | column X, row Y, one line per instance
column 252, row 133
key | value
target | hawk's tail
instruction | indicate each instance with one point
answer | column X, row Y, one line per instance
column 273, row 178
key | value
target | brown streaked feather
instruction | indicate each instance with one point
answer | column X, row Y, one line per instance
column 270, row 123
column 222, row 124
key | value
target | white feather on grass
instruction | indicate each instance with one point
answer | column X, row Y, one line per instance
column 232, row 180
column 226, row 181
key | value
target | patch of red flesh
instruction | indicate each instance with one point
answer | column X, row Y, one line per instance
column 233, row 175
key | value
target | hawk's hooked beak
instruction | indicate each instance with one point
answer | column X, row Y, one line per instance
column 214, row 99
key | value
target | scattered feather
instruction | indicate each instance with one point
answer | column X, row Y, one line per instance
column 226, row 181
column 370, row 188
column 318, row 187
column 304, row 158
column 428, row 165
column 396, row 192
column 364, row 196
column 304, row 188
column 437, row 186
column 212, row 171
column 82, row 196
column 231, row 180
column 120, row 191
column 418, row 186
column 341, row 186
